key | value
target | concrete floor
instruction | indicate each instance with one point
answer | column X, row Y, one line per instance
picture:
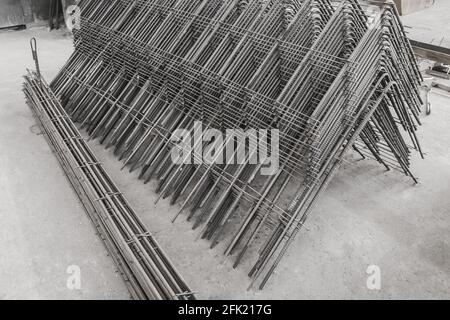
column 367, row 217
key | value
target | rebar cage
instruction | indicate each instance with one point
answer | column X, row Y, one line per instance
column 329, row 76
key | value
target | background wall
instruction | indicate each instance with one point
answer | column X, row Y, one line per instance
column 18, row 12
column 13, row 12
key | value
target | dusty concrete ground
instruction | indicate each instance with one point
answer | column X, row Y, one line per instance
column 367, row 217
column 430, row 25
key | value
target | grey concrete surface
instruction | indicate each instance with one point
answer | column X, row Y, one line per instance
column 367, row 217
column 430, row 25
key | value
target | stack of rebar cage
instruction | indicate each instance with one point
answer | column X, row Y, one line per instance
column 331, row 77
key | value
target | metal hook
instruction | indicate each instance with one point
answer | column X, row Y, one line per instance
column 33, row 45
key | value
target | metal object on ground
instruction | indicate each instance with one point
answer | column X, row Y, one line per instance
column 54, row 14
column 431, row 52
column 15, row 13
column 439, row 70
column 330, row 76
column 145, row 267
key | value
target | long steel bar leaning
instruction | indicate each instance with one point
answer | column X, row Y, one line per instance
column 145, row 267
column 327, row 75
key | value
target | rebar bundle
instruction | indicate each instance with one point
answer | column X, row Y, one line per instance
column 144, row 266
column 329, row 76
